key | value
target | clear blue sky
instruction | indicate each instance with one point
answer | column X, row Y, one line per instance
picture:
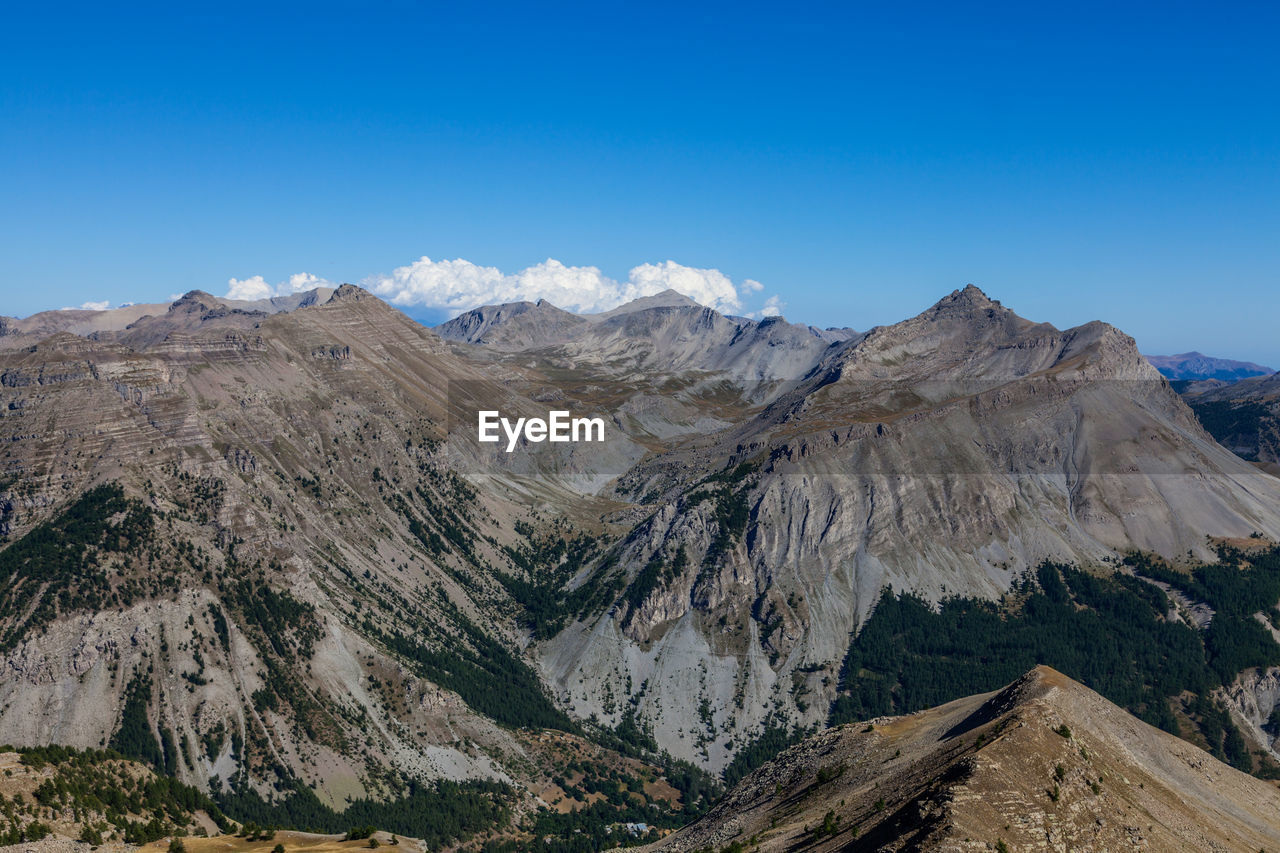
column 1077, row 161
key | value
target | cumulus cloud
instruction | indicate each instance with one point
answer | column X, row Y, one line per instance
column 256, row 287
column 772, row 308
column 89, row 306
column 459, row 285
column 709, row 287
column 302, row 281
column 249, row 289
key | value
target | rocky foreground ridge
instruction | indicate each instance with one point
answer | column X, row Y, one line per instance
column 1044, row 764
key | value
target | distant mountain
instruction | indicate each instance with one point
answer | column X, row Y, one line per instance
column 665, row 333
column 1043, row 764
column 1194, row 365
column 1243, row 416
column 80, row 321
column 512, row 325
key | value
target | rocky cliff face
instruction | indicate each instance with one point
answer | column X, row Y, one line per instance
column 301, row 526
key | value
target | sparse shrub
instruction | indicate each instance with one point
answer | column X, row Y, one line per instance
column 359, row 833
column 1064, row 730
column 826, row 774
column 830, row 825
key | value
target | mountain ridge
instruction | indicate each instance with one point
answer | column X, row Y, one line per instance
column 1198, row 366
column 1042, row 761
column 311, row 496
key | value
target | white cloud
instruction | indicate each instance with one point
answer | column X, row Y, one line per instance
column 459, row 285
column 248, row 289
column 576, row 288
column 300, row 281
column 90, row 306
column 256, row 287
column 772, row 308
column 709, row 287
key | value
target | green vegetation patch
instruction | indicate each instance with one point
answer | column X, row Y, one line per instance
column 109, row 797
column 60, row 565
column 1231, row 422
column 547, row 564
column 439, row 813
column 489, row 677
column 1110, row 633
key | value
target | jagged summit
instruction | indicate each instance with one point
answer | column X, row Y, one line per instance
column 196, row 300
column 969, row 302
column 350, row 293
column 970, row 294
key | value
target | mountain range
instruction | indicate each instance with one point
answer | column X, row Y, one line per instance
column 258, row 545
column 1243, row 415
column 1198, row 366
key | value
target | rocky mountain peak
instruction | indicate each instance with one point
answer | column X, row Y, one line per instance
column 668, row 298
column 512, row 324
column 350, row 293
column 968, row 300
column 196, row 301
